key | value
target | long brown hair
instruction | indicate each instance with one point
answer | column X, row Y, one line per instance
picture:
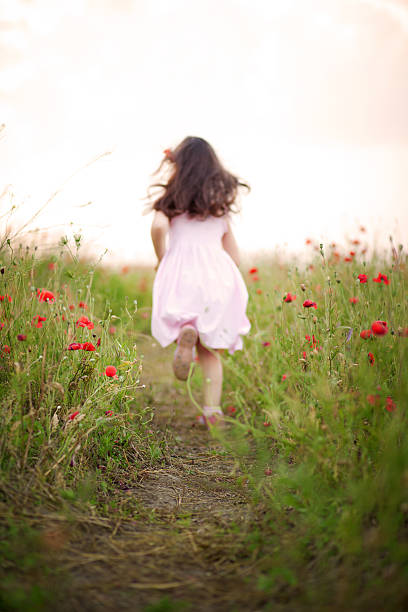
column 198, row 184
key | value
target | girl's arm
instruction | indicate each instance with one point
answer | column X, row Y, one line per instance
column 160, row 227
column 229, row 244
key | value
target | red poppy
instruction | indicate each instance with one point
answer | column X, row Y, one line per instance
column 353, row 300
column 74, row 346
column 365, row 333
column 255, row 277
column 6, row 349
column 51, row 265
column 83, row 305
column 2, row 325
column 73, row 415
column 308, row 241
column 45, row 296
column 371, row 358
column 363, row 278
column 381, row 277
column 231, row 409
column 348, row 259
column 284, row 377
column 112, row 330
column 304, row 355
column 373, row 399
column 266, row 424
column 266, row 344
column 39, row 320
column 289, row 297
column 253, row 271
column 108, row 413
column 88, row 346
column 110, row 371
column 98, row 342
column 71, row 307
column 268, row 472
column 379, row 328
column 352, row 253
column 84, row 322
column 21, row 337
column 390, row 405
column 309, row 304
column 259, row 291
column 5, row 298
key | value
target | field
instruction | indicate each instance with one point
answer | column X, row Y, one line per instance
column 113, row 497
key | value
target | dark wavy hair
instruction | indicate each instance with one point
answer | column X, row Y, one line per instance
column 198, row 184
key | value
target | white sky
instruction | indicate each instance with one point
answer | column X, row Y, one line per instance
column 305, row 99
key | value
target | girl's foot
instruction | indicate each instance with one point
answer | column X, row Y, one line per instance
column 184, row 353
column 212, row 415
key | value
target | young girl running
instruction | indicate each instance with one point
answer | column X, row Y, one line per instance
column 199, row 296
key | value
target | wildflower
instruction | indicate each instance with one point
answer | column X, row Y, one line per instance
column 267, row 424
column 259, row 291
column 74, row 346
column 108, row 413
column 73, row 415
column 308, row 241
column 253, row 271
column 125, row 269
column 98, row 342
column 390, row 405
column 5, row 298
column 268, row 472
column 381, row 277
column 6, row 349
column 309, row 304
column 84, row 322
column 21, row 337
column 373, row 399
column 71, row 307
column 88, row 346
column 83, row 305
column 112, row 330
column 231, row 410
column 353, row 300
column 255, row 278
column 352, row 253
column 348, row 259
column 365, row 333
column 39, row 320
column 110, row 371
column 1, row 325
column 289, row 297
column 379, row 328
column 266, row 344
column 304, row 355
column 371, row 358
column 51, row 265
column 284, row 377
column 45, row 296
column 363, row 278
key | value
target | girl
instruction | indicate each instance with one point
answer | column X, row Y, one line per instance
column 199, row 296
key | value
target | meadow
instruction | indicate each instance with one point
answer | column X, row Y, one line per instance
column 300, row 503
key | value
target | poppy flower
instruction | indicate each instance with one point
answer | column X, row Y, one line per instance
column 308, row 241
column 379, row 328
column 38, row 321
column 112, row 330
column 266, row 344
column 284, row 377
column 84, row 322
column 98, row 342
column 74, row 346
column 108, row 413
column 51, row 265
column 390, row 405
column 83, row 305
column 231, row 409
column 21, row 337
column 352, row 253
column 348, row 259
column 6, row 349
column 110, row 371
column 266, row 424
column 381, row 277
column 353, row 300
column 253, row 271
column 5, row 298
column 363, row 278
column 255, row 278
column 88, row 346
column 289, row 297
column 1, row 325
column 304, row 355
column 373, row 399
column 309, row 304
column 71, row 307
column 45, row 296
column 365, row 333
column 268, row 472
column 371, row 358
column 73, row 415
column 259, row 291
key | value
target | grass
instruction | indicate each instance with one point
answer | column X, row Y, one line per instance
column 318, row 424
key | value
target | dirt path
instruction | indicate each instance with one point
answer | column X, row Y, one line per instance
column 188, row 540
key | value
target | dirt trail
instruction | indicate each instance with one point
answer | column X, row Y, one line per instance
column 187, row 543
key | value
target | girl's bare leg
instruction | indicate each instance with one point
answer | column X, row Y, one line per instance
column 211, row 365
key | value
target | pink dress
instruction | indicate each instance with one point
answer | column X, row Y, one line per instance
column 198, row 283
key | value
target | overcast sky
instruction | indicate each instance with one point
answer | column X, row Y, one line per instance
column 305, row 99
